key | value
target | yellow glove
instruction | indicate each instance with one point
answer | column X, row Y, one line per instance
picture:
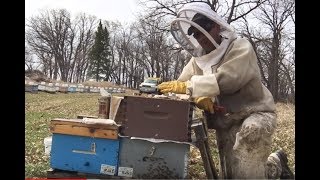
column 204, row 103
column 178, row 87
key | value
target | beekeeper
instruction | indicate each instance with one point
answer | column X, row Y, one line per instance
column 223, row 72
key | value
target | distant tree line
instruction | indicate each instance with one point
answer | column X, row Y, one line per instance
column 75, row 50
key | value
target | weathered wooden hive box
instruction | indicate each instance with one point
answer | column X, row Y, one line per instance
column 155, row 135
column 93, row 89
column 63, row 88
column 50, row 88
column 31, row 87
column 86, row 89
column 42, row 86
column 57, row 85
column 79, row 88
column 84, row 145
column 157, row 118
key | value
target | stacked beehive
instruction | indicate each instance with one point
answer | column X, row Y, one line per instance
column 50, row 88
column 85, row 145
column 63, row 88
column 72, row 88
column 31, row 87
column 155, row 135
column 145, row 138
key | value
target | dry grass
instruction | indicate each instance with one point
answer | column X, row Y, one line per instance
column 284, row 136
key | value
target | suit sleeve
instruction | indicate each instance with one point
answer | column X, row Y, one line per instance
column 238, row 68
column 187, row 72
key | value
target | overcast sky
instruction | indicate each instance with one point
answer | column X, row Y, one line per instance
column 121, row 10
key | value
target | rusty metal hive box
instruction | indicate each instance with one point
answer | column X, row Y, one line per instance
column 148, row 160
column 157, row 118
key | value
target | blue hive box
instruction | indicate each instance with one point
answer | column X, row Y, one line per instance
column 85, row 148
column 72, row 89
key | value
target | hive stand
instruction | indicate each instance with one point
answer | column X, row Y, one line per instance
column 201, row 133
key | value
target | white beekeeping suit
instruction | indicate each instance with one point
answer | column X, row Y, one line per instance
column 230, row 75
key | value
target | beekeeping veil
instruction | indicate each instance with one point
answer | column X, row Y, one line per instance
column 192, row 16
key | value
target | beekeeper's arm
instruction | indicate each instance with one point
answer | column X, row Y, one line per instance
column 239, row 68
column 179, row 85
column 187, row 72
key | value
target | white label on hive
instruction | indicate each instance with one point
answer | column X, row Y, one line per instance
column 107, row 169
column 125, row 171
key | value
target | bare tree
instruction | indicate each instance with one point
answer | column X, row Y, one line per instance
column 123, row 51
column 114, row 26
column 84, row 29
column 231, row 10
column 60, row 45
column 275, row 15
column 273, row 45
column 287, row 74
column 48, row 33
column 123, row 40
column 134, row 64
column 141, row 50
column 154, row 43
column 30, row 62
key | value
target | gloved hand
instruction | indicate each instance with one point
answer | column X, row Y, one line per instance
column 178, row 87
column 204, row 103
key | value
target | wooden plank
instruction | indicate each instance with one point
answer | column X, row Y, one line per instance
column 57, row 173
column 79, row 122
column 86, row 116
column 71, row 129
